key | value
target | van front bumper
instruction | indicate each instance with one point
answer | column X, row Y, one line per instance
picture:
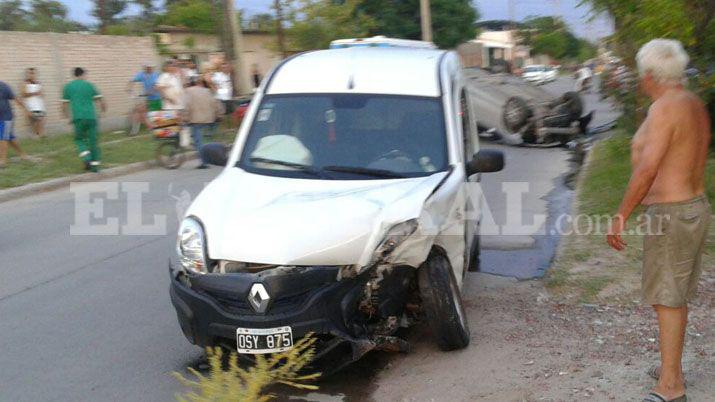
column 308, row 299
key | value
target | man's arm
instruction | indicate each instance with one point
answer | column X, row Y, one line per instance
column 65, row 110
column 659, row 133
column 99, row 99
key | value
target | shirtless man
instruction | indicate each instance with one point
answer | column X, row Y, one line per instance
column 669, row 154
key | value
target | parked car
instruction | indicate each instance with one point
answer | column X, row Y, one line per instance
column 340, row 209
column 539, row 74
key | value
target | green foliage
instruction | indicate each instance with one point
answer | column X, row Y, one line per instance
column 238, row 384
column 197, row 15
column 43, row 16
column 690, row 21
column 452, row 20
column 262, row 22
column 315, row 23
column 12, row 16
column 551, row 36
column 107, row 12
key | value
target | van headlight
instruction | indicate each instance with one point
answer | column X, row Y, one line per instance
column 393, row 238
column 191, row 246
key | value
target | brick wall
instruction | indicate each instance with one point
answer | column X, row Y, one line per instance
column 110, row 62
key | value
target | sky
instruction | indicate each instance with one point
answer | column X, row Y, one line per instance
column 577, row 17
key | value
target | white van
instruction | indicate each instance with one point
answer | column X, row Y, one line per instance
column 341, row 209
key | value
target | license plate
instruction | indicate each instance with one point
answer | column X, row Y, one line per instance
column 264, row 340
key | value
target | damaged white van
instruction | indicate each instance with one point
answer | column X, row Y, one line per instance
column 341, row 209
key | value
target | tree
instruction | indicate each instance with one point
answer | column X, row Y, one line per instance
column 262, row 22
column 197, row 15
column 552, row 36
column 452, row 20
column 321, row 21
column 12, row 16
column 147, row 6
column 313, row 24
column 107, row 12
column 50, row 16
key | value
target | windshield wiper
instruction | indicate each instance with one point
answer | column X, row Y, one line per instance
column 382, row 173
column 298, row 166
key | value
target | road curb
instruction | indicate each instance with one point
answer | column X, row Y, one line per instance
column 54, row 184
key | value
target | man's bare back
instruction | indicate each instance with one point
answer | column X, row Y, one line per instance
column 680, row 123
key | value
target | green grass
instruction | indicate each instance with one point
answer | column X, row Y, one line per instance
column 57, row 156
column 607, row 177
column 591, row 287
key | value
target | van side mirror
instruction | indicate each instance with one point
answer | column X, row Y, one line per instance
column 486, row 161
column 214, row 153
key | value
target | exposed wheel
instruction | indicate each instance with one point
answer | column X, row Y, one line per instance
column 516, row 113
column 169, row 155
column 442, row 303
column 572, row 105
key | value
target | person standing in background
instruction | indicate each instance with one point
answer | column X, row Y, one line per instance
column 223, row 84
column 256, row 76
column 80, row 95
column 7, row 136
column 148, row 78
column 201, row 111
column 32, row 95
column 171, row 87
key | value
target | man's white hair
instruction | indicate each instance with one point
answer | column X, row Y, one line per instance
column 664, row 59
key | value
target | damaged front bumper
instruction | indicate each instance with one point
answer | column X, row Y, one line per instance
column 350, row 316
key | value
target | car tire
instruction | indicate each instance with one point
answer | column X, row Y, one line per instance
column 515, row 114
column 442, row 303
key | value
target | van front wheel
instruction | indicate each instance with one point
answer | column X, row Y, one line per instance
column 442, row 303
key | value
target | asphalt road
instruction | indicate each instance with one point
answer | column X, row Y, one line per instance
column 88, row 318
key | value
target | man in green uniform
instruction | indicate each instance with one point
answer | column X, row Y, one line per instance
column 81, row 96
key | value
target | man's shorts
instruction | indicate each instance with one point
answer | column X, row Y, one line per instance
column 672, row 251
column 153, row 105
column 36, row 115
column 6, row 130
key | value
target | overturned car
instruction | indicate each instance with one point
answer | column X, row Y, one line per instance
column 544, row 122
column 341, row 210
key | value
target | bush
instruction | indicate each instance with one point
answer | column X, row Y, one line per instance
column 236, row 384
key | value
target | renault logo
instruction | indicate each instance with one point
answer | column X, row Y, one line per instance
column 258, row 297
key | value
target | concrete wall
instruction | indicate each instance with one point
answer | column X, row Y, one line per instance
column 109, row 60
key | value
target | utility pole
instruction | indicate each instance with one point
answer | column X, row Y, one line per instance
column 235, row 38
column 279, row 28
column 102, row 22
column 426, row 20
column 512, row 14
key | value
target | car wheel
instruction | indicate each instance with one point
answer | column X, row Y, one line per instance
column 515, row 114
column 442, row 303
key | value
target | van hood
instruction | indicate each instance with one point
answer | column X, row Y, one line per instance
column 287, row 221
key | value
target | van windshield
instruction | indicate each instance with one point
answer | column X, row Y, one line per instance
column 346, row 136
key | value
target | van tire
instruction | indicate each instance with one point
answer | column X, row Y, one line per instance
column 442, row 303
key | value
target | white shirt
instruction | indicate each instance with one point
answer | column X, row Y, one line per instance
column 34, row 103
column 224, row 87
column 173, row 93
